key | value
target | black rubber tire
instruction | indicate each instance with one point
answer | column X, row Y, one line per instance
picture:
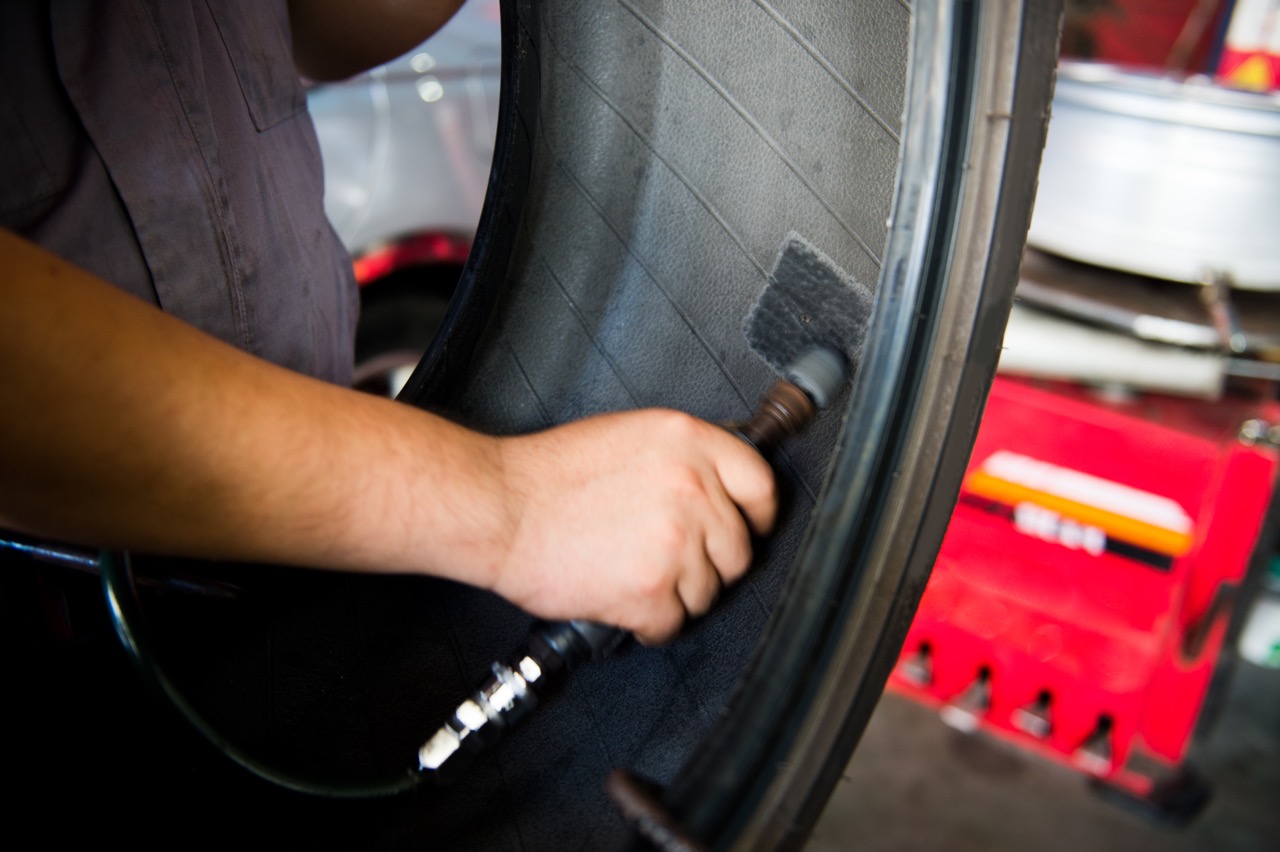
column 399, row 316
column 650, row 160
column 735, row 103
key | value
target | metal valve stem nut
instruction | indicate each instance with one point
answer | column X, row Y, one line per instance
column 478, row 721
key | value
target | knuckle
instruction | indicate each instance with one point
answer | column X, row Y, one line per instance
column 672, row 537
column 737, row 561
column 654, row 583
column 769, row 486
column 677, row 427
column 660, row 625
column 707, row 598
column 669, row 622
column 761, row 500
column 760, row 484
column 685, row 483
column 700, row 609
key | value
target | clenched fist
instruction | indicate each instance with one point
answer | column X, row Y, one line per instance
column 635, row 519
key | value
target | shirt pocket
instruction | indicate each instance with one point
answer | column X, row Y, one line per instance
column 257, row 38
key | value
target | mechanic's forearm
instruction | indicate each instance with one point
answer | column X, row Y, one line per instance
column 334, row 39
column 125, row 427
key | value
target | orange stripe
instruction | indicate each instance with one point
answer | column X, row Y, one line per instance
column 1140, row 533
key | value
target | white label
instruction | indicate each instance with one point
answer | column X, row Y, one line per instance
column 1048, row 525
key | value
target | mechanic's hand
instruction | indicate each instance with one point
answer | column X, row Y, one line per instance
column 635, row 519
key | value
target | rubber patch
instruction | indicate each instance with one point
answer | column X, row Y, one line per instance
column 809, row 301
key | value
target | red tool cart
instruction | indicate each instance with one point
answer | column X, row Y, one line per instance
column 1081, row 598
column 1094, row 573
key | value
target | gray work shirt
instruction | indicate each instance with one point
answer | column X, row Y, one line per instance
column 165, row 146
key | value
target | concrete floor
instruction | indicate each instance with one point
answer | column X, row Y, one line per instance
column 916, row 784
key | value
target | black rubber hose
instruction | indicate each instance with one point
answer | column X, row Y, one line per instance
column 130, row 627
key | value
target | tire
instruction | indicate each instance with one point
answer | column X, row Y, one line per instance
column 650, row 160
column 399, row 317
column 880, row 486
